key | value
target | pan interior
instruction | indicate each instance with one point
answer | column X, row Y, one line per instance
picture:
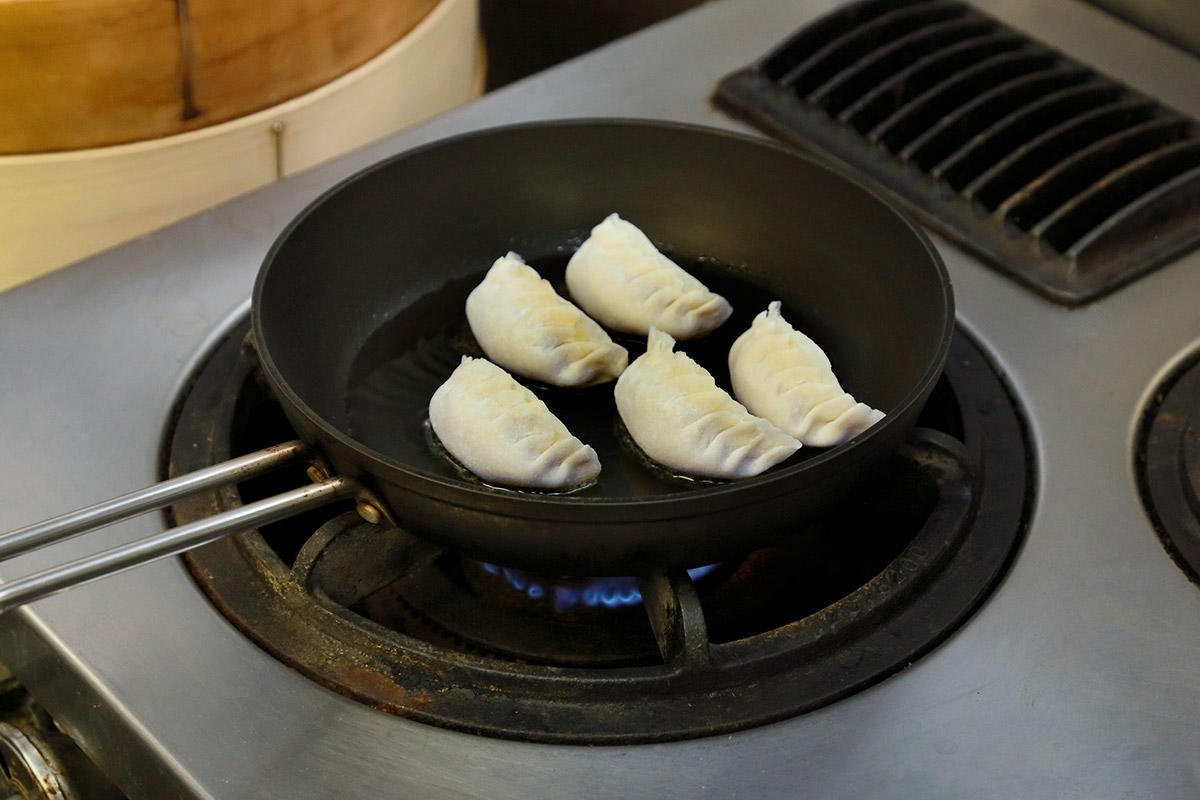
column 360, row 305
column 404, row 362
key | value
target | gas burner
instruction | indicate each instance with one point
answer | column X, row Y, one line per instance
column 381, row 616
column 1168, row 464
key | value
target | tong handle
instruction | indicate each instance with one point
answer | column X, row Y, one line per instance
column 171, row 541
column 71, row 524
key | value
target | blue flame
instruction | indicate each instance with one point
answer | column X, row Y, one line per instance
column 607, row 592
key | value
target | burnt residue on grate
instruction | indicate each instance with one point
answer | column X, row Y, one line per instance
column 1063, row 178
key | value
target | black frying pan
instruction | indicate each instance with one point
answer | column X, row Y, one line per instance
column 358, row 316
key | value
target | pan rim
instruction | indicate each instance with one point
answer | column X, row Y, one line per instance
column 737, row 491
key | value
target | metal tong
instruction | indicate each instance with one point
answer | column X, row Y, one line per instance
column 171, row 541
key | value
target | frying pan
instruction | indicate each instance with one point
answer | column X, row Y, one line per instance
column 358, row 316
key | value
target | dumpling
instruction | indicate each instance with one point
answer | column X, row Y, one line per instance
column 780, row 374
column 619, row 277
column 678, row 415
column 503, row 433
column 524, row 326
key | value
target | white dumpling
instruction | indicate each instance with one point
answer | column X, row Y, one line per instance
column 619, row 277
column 678, row 415
column 779, row 373
column 503, row 433
column 524, row 326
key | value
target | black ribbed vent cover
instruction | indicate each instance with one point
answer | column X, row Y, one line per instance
column 1063, row 178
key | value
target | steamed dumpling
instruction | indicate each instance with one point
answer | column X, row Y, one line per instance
column 780, row 374
column 678, row 415
column 620, row 278
column 524, row 326
column 503, row 433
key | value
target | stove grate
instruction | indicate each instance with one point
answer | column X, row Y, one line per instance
column 381, row 616
column 1064, row 179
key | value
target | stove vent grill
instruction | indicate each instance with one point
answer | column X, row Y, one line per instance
column 1063, row 178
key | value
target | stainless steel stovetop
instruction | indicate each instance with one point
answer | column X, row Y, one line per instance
column 1076, row 679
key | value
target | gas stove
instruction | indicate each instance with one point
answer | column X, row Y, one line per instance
column 1065, row 670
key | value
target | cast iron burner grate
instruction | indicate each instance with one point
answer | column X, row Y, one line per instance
column 1064, row 179
column 1167, row 462
column 380, row 616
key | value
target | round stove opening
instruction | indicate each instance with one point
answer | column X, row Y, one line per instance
column 381, row 616
column 1167, row 463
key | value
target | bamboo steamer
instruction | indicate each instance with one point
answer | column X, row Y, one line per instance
column 121, row 116
column 87, row 73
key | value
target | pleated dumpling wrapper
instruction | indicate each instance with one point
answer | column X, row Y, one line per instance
column 526, row 327
column 620, row 279
column 779, row 373
column 503, row 433
column 678, row 415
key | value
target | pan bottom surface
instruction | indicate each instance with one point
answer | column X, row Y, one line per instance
column 400, row 367
column 424, row 633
